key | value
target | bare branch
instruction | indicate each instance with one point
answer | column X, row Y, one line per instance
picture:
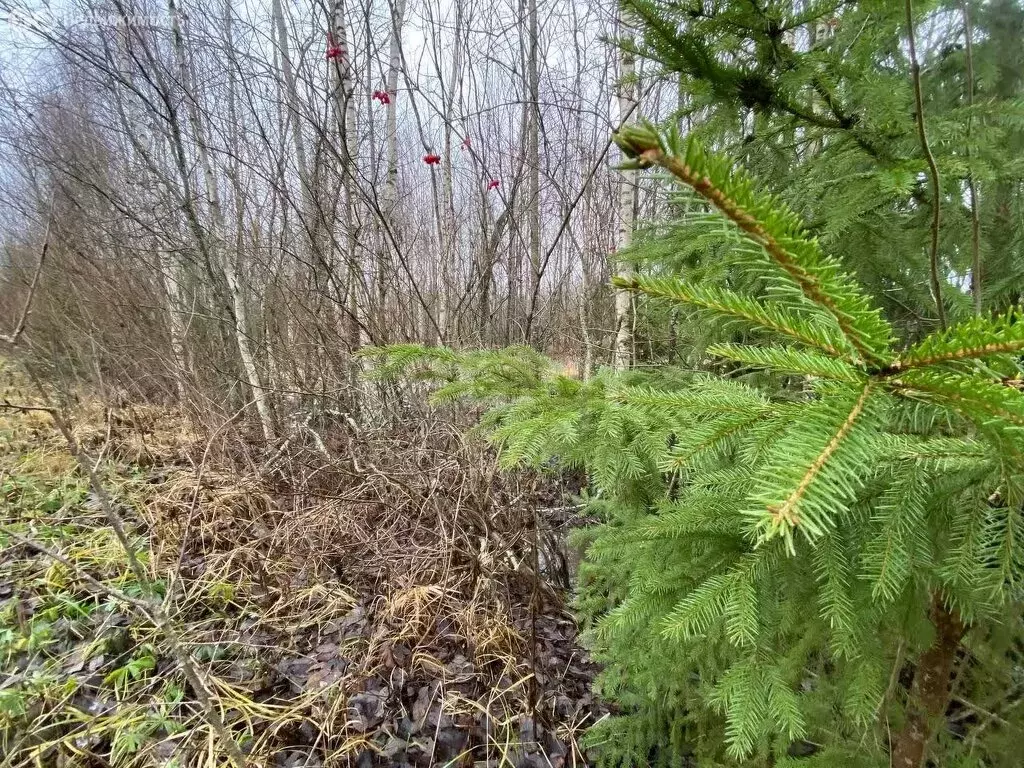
column 19, row 328
column 922, row 133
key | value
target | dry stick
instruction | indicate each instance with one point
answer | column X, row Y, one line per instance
column 933, row 255
column 534, row 597
column 157, row 615
column 975, row 221
column 19, row 328
column 154, row 611
column 144, row 608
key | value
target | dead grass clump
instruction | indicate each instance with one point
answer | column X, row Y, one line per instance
column 352, row 598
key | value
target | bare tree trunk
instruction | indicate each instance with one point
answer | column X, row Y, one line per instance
column 533, row 151
column 385, row 269
column 929, row 693
column 588, row 345
column 311, row 220
column 345, row 114
column 626, row 97
column 227, row 260
column 488, row 256
column 447, row 224
column 168, row 265
column 170, row 279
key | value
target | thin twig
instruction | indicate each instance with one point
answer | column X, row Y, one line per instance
column 975, row 220
column 23, row 408
column 26, row 310
column 153, row 609
column 933, row 254
column 572, row 208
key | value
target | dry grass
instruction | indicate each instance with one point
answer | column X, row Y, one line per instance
column 305, row 582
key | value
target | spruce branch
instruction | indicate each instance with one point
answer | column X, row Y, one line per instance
column 977, row 338
column 833, row 572
column 771, row 225
column 939, row 455
column 786, row 516
column 976, row 397
column 706, row 439
column 769, row 315
column 789, row 360
column 898, row 522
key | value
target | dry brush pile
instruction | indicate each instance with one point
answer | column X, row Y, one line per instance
column 352, row 597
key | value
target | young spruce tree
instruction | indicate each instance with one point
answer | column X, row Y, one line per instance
column 810, row 548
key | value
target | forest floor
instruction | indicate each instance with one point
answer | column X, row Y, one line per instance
column 352, row 598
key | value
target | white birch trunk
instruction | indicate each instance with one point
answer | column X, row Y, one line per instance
column 228, row 260
column 343, row 81
column 533, row 140
column 626, row 98
column 311, row 219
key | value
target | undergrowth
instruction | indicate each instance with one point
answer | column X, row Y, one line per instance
column 359, row 606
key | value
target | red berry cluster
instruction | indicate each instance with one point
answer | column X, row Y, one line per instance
column 382, row 97
column 492, row 184
column 431, row 159
column 334, row 52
